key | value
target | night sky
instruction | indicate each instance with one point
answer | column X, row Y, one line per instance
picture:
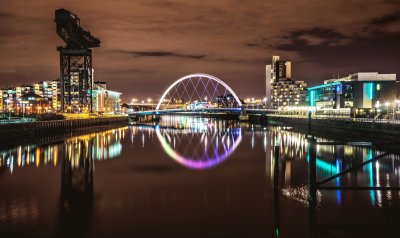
column 146, row 44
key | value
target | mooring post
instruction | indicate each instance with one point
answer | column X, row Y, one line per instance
column 276, row 187
column 309, row 122
column 312, row 185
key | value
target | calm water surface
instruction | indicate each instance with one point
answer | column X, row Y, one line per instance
column 192, row 177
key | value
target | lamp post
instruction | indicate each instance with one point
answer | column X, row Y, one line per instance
column 8, row 107
column 265, row 102
column 278, row 105
column 149, row 100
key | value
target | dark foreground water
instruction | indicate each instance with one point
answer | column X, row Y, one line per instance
column 193, row 177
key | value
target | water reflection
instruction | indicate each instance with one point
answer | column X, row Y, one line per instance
column 330, row 160
column 198, row 143
column 125, row 185
column 101, row 145
column 76, row 195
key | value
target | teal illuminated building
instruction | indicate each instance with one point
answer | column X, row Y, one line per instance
column 363, row 93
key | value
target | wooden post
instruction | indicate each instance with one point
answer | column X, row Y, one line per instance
column 276, row 189
column 312, row 186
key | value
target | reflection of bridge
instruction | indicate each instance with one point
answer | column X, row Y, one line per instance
column 196, row 93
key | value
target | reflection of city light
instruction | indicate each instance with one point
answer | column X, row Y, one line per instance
column 99, row 146
column 207, row 162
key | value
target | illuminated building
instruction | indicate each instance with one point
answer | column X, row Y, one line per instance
column 281, row 90
column 1, row 101
column 268, row 83
column 9, row 99
column 104, row 100
column 362, row 92
column 227, row 101
column 31, row 103
column 51, row 91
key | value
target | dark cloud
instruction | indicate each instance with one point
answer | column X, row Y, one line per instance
column 4, row 15
column 360, row 54
column 148, row 44
column 161, row 54
column 317, row 36
column 387, row 19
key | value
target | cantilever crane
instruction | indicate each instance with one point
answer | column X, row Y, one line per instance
column 76, row 71
column 70, row 31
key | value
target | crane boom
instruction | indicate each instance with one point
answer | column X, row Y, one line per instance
column 70, row 31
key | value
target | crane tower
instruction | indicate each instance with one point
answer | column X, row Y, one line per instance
column 76, row 69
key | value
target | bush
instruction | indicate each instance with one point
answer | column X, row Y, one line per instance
column 49, row 117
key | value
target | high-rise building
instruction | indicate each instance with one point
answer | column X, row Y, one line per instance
column 268, row 83
column 281, row 90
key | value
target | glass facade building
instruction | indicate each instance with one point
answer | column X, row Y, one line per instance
column 104, row 100
column 363, row 93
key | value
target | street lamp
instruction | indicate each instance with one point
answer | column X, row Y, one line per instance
column 149, row 100
column 265, row 102
column 278, row 105
column 8, row 107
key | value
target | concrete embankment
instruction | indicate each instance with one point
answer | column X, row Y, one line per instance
column 378, row 130
column 32, row 129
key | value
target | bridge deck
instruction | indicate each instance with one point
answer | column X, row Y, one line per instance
column 202, row 111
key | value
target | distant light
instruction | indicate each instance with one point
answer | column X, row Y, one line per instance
column 265, row 99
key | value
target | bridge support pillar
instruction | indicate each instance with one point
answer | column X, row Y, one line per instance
column 264, row 120
column 156, row 118
column 243, row 115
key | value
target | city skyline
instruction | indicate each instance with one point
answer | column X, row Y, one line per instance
column 150, row 44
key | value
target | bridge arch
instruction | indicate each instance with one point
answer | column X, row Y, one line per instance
column 199, row 76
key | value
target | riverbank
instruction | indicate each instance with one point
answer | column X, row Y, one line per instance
column 352, row 128
column 33, row 129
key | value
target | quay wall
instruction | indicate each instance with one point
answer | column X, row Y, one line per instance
column 369, row 130
column 32, row 129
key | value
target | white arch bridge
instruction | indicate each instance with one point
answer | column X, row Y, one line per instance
column 196, row 93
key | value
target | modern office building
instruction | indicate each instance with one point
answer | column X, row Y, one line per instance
column 281, row 90
column 364, row 93
column 105, row 101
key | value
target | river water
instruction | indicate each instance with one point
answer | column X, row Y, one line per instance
column 194, row 177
